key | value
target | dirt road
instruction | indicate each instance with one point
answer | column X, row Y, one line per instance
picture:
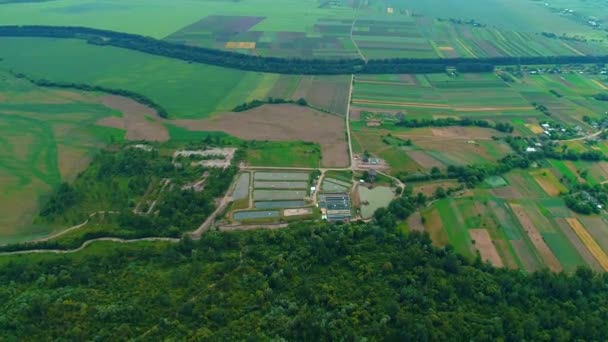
column 209, row 221
column 87, row 243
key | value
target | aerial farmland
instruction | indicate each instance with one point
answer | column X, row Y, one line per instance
column 319, row 170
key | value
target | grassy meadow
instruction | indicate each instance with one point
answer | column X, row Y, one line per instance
column 47, row 136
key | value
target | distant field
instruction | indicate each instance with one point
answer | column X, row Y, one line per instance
column 185, row 90
column 427, row 95
column 379, row 101
column 380, row 30
column 48, row 136
column 438, row 147
column 284, row 123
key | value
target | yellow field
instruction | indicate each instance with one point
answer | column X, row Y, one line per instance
column 240, row 45
column 548, row 182
column 466, row 48
column 572, row 49
column 446, row 48
column 535, row 128
column 600, row 84
column 589, row 242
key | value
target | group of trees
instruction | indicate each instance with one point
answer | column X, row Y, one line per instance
column 551, row 151
column 446, row 122
column 312, row 281
column 285, row 65
column 257, row 103
column 601, row 96
column 587, row 199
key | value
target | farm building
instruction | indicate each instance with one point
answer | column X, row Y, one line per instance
column 335, row 207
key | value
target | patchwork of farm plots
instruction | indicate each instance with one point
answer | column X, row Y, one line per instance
column 261, row 196
column 519, row 222
column 380, row 101
column 330, row 29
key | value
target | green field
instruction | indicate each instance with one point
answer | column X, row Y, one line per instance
column 47, row 136
column 185, row 90
column 284, row 154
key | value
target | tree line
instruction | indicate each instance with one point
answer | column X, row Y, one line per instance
column 447, row 122
column 160, row 110
column 279, row 65
column 258, row 103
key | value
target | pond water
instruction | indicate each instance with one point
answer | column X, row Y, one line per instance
column 279, row 204
column 249, row 215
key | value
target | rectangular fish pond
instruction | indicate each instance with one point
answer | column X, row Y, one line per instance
column 250, row 215
column 279, row 204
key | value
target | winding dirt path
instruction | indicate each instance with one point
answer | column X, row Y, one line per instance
column 87, row 243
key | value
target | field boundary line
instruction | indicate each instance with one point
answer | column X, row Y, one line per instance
column 352, row 30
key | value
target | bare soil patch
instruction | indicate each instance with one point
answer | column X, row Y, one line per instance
column 140, row 122
column 466, row 133
column 429, row 188
column 425, row 160
column 507, row 192
column 355, row 114
column 434, row 226
column 330, row 92
column 297, row 212
column 535, row 128
column 414, row 222
column 485, row 246
column 71, row 161
column 409, row 79
column 283, row 122
column 537, row 239
column 546, row 185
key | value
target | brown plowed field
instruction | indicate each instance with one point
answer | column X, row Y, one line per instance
column 537, row 239
column 134, row 119
column 414, row 222
column 485, row 246
column 283, row 122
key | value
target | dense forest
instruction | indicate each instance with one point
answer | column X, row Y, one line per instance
column 284, row 65
column 309, row 282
